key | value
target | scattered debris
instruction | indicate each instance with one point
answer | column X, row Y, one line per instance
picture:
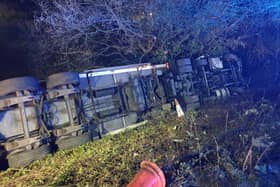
column 179, row 110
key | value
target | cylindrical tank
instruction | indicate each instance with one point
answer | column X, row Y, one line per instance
column 20, row 121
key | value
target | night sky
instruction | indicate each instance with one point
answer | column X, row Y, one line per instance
column 13, row 35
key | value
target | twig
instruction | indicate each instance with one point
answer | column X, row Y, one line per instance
column 261, row 156
column 200, row 154
column 249, row 154
column 217, row 151
column 226, row 122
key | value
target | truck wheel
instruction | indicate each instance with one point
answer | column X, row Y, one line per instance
column 60, row 79
column 73, row 141
column 9, row 86
column 24, row 158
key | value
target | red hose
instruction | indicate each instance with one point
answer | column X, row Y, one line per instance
column 150, row 175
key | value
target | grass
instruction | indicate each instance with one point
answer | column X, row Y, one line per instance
column 112, row 161
column 205, row 141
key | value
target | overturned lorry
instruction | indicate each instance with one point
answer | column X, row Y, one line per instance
column 74, row 108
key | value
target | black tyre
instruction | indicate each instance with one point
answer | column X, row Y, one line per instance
column 23, row 159
column 60, row 79
column 72, row 141
column 9, row 86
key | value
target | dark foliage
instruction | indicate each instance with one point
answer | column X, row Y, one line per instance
column 78, row 34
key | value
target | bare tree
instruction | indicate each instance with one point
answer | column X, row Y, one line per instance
column 78, row 34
